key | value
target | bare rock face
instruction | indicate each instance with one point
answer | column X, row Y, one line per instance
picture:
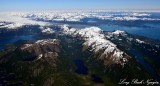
column 96, row 42
column 46, row 49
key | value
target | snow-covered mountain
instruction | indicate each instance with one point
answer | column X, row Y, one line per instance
column 49, row 47
column 46, row 49
column 95, row 40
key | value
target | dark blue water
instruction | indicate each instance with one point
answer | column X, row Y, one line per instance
column 81, row 68
column 145, row 28
column 1, row 47
column 96, row 79
column 14, row 39
column 4, row 77
column 139, row 58
column 152, row 32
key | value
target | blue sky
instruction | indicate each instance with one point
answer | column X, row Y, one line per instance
column 78, row 4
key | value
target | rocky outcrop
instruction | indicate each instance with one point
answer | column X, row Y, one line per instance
column 46, row 49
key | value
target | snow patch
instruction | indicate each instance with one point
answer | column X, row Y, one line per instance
column 40, row 56
column 117, row 32
column 45, row 41
column 48, row 31
column 26, row 46
column 139, row 41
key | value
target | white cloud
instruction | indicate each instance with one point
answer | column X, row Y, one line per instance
column 17, row 20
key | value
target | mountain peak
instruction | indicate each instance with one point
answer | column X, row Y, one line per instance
column 117, row 32
column 95, row 39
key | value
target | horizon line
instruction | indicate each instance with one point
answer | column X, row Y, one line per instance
column 107, row 10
